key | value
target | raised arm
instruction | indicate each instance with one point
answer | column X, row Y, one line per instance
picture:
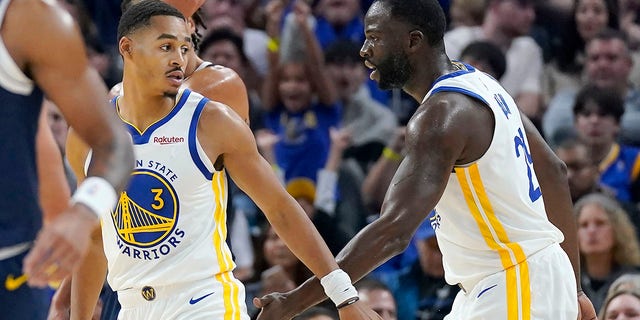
column 435, row 140
column 274, row 11
column 325, row 89
column 256, row 178
column 552, row 176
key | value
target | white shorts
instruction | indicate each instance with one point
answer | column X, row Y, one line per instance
column 204, row 299
column 542, row 287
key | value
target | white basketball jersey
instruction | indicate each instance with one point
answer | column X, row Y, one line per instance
column 170, row 224
column 491, row 215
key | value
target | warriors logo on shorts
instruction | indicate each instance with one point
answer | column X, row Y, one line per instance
column 147, row 211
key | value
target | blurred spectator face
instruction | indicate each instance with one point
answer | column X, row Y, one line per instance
column 591, row 16
column 594, row 127
column 581, row 172
column 294, row 87
column 276, row 251
column 516, row 16
column 339, row 12
column 595, row 232
column 381, row 301
column 224, row 13
column 57, row 123
column 430, row 257
column 623, row 307
column 467, row 12
column 347, row 76
column 226, row 54
column 608, row 63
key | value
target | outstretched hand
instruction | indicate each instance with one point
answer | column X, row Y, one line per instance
column 586, row 311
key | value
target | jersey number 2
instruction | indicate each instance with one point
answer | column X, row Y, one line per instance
column 534, row 192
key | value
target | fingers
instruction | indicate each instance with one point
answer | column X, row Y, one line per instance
column 51, row 259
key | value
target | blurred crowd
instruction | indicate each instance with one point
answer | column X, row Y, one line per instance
column 335, row 139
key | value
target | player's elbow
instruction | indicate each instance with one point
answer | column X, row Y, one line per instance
column 395, row 236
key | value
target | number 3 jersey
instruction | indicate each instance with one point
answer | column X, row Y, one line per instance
column 169, row 224
column 491, row 215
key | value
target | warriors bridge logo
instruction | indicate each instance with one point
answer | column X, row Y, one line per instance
column 146, row 217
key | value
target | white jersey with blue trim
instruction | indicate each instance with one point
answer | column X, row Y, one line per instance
column 491, row 215
column 170, row 223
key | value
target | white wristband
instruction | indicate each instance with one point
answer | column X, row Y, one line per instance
column 97, row 194
column 337, row 285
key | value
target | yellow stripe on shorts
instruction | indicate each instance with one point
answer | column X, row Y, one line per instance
column 511, row 254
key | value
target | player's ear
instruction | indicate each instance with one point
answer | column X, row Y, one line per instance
column 416, row 38
column 125, row 46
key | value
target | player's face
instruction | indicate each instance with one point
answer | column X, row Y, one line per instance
column 591, row 17
column 595, row 231
column 382, row 50
column 159, row 53
column 623, row 307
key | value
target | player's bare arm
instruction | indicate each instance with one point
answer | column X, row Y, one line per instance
column 437, row 138
column 254, row 175
column 64, row 75
column 552, row 176
column 84, row 289
column 53, row 189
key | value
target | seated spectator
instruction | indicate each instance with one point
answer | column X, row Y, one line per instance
column 597, row 113
column 621, row 304
column 378, row 296
column 608, row 244
column 423, row 293
column 608, row 64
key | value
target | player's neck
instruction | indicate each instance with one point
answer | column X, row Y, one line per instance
column 142, row 108
column 426, row 72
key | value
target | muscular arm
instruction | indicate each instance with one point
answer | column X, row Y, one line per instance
column 53, row 189
column 552, row 176
column 436, row 138
column 87, row 280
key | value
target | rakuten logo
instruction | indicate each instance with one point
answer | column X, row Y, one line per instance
column 168, row 140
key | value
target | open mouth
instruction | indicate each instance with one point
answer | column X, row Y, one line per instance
column 176, row 77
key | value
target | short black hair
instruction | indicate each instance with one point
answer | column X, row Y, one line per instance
column 609, row 101
column 487, row 52
column 343, row 51
column 224, row 34
column 140, row 14
column 425, row 15
column 196, row 37
column 317, row 311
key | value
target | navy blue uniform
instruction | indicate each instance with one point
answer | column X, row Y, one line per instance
column 20, row 214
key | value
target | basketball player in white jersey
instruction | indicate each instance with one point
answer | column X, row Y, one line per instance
column 215, row 82
column 491, row 179
column 165, row 240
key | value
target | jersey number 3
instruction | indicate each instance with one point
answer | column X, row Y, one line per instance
column 534, row 191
